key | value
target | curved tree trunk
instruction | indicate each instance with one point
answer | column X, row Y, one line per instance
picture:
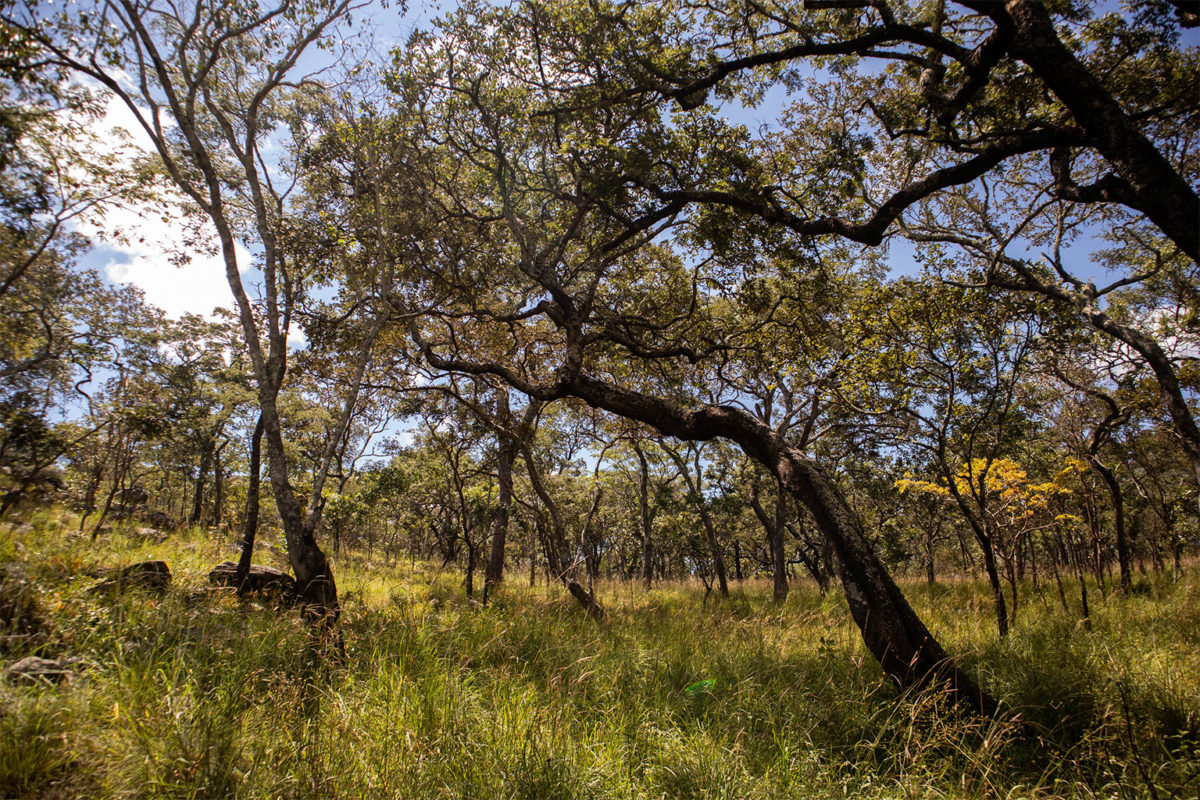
column 904, row 647
column 557, row 546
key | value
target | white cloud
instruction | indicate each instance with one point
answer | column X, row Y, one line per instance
column 176, row 263
column 176, row 268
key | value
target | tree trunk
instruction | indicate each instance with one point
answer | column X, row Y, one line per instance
column 647, row 518
column 774, row 527
column 993, row 576
column 1118, row 504
column 314, row 577
column 250, row 528
column 201, row 477
column 219, row 486
column 695, row 488
column 904, row 647
column 930, row 534
column 506, row 452
column 557, row 547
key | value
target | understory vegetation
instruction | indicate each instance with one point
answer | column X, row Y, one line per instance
column 193, row 693
column 714, row 398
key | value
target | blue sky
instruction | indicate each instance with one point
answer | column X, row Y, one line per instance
column 200, row 285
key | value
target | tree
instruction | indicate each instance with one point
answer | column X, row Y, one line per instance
column 210, row 84
column 1073, row 111
column 565, row 307
column 950, row 367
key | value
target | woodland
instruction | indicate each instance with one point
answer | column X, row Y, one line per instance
column 792, row 398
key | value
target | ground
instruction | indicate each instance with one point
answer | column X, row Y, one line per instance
column 192, row 693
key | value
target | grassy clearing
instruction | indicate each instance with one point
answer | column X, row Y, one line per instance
column 192, row 694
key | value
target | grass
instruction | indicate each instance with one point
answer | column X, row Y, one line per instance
column 192, row 694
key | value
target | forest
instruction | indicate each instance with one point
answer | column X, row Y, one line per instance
column 724, row 399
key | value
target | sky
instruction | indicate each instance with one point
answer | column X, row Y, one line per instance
column 142, row 244
column 182, row 272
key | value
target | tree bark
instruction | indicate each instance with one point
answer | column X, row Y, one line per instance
column 1118, row 504
column 904, row 647
column 557, row 547
column 506, row 452
column 647, row 518
column 250, row 527
column 774, row 526
column 206, row 459
column 1154, row 187
column 695, row 486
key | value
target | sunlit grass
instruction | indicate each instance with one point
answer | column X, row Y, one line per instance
column 194, row 694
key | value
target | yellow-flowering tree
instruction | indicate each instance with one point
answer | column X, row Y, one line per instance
column 1003, row 505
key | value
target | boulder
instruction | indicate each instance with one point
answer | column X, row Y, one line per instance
column 48, row 670
column 149, row 534
column 144, row 574
column 132, row 496
column 157, row 519
column 261, row 580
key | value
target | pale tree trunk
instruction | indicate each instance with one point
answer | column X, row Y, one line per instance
column 695, row 485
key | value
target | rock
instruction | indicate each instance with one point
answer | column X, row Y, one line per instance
column 50, row 670
column 144, row 574
column 157, row 519
column 260, row 580
column 132, row 496
column 149, row 534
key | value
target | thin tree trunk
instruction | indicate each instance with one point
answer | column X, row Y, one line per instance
column 556, row 548
column 695, row 488
column 774, row 527
column 506, row 452
column 250, row 528
column 1118, row 504
column 219, row 487
column 647, row 518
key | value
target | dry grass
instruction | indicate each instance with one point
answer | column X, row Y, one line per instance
column 193, row 694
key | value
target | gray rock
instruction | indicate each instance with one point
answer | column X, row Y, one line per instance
column 261, row 580
column 144, row 575
column 149, row 534
column 132, row 496
column 157, row 519
column 48, row 670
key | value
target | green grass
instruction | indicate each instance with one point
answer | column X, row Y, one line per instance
column 194, row 695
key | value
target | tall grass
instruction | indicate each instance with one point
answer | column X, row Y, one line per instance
column 193, row 694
